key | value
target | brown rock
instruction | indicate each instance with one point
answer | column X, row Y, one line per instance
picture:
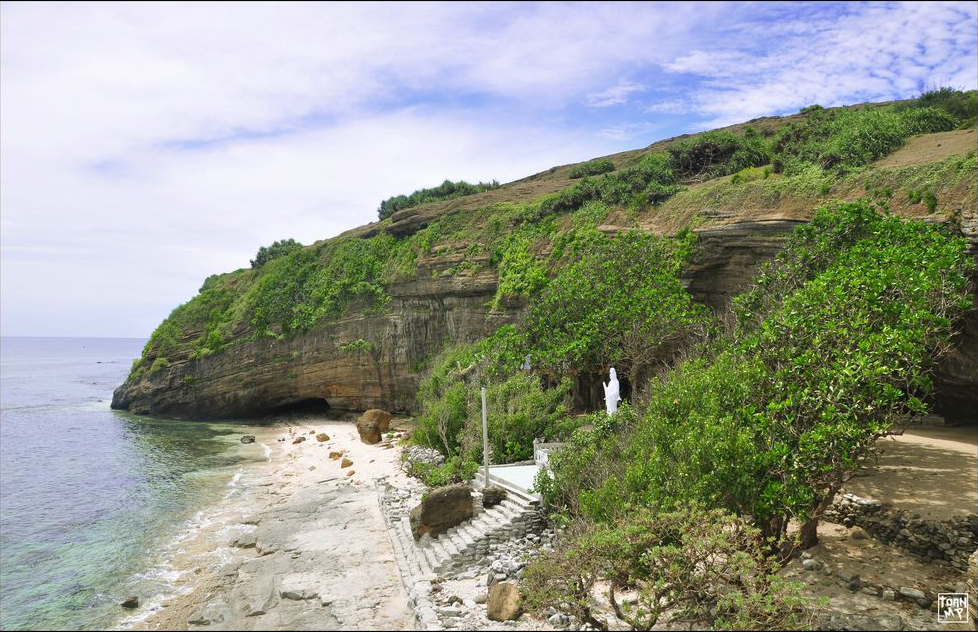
column 858, row 533
column 504, row 603
column 132, row 602
column 382, row 417
column 372, row 424
column 335, row 454
column 322, row 436
column 442, row 509
column 351, row 473
column 492, row 496
column 346, row 462
column 298, row 440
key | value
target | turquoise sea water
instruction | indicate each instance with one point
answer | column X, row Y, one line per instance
column 90, row 496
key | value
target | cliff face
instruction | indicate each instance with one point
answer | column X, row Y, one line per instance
column 438, row 304
column 257, row 377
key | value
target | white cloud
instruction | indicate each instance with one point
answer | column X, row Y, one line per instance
column 145, row 146
column 615, row 95
column 870, row 52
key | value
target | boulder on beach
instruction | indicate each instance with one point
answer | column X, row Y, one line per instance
column 132, row 602
column 248, row 439
column 322, row 436
column 372, row 424
column 298, row 440
column 504, row 602
column 442, row 509
column 335, row 454
column 346, row 462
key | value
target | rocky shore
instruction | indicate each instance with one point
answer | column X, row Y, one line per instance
column 302, row 547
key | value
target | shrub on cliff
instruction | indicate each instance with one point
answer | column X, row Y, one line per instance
column 592, row 168
column 445, row 191
column 615, row 301
column 846, row 139
column 828, row 351
column 651, row 180
column 718, row 153
column 277, row 249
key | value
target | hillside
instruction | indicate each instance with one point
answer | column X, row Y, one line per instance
column 353, row 322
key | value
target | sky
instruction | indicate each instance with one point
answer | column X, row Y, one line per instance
column 144, row 147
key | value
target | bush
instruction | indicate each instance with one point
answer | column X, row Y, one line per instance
column 454, row 470
column 846, row 139
column 617, row 301
column 718, row 153
column 962, row 105
column 447, row 190
column 652, row 177
column 592, row 168
column 749, row 174
column 267, row 253
column 694, row 565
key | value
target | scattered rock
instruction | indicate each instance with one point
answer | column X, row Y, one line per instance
column 248, row 439
column 492, row 496
column 504, row 602
column 312, row 432
column 132, row 602
column 346, row 462
column 912, row 593
column 889, row 595
column 298, row 440
column 372, row 424
column 335, row 454
column 811, row 564
column 481, row 598
column 442, row 509
column 322, row 436
column 858, row 533
column 351, row 473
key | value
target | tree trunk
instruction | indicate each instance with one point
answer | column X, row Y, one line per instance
column 809, row 534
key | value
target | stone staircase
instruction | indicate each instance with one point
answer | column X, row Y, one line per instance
column 462, row 546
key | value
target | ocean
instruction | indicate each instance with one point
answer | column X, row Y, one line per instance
column 92, row 500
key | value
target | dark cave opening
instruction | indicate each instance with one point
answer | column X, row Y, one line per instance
column 309, row 405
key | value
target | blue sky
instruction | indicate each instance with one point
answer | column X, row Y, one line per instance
column 144, row 147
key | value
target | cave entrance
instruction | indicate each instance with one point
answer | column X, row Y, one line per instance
column 309, row 405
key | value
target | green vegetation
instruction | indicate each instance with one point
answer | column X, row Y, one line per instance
column 769, row 419
column 844, row 139
column 267, row 253
column 617, row 300
column 704, row 567
column 963, row 106
column 718, row 153
column 750, row 174
column 592, row 168
column 447, row 190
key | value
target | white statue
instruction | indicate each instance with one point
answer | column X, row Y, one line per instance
column 611, row 393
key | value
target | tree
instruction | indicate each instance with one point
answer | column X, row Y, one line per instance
column 278, row 249
column 620, row 302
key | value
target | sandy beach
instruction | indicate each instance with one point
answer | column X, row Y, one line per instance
column 298, row 543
